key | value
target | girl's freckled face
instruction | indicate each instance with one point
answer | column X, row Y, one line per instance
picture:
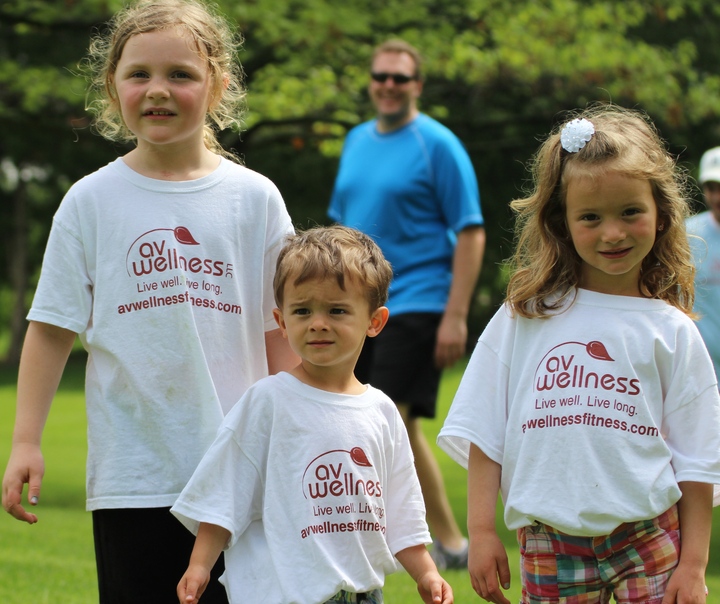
column 164, row 88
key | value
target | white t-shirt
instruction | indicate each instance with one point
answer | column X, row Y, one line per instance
column 169, row 285
column 317, row 489
column 595, row 414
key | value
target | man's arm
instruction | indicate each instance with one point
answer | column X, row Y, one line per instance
column 467, row 261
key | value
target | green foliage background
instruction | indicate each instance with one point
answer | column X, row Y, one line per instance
column 499, row 74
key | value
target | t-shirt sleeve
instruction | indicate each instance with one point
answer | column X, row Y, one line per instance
column 691, row 416
column 692, row 432
column 225, row 490
column 64, row 295
column 279, row 227
column 456, row 185
column 479, row 412
column 336, row 209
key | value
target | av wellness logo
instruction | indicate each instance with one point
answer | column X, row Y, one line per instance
column 573, row 365
column 340, row 473
column 160, row 250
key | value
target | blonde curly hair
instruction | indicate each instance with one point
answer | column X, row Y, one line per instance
column 545, row 266
column 215, row 41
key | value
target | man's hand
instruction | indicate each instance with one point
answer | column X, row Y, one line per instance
column 450, row 341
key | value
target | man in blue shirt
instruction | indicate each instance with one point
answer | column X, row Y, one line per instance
column 407, row 181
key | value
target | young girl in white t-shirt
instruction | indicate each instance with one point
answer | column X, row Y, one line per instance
column 590, row 401
column 162, row 262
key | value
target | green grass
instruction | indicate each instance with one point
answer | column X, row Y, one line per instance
column 53, row 561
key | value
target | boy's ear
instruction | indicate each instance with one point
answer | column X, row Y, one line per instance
column 378, row 320
column 277, row 314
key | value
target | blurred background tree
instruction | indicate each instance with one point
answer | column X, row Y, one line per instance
column 499, row 74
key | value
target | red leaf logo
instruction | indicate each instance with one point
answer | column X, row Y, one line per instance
column 182, row 234
column 597, row 350
column 359, row 457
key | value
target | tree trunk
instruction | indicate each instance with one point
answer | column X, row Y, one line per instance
column 18, row 271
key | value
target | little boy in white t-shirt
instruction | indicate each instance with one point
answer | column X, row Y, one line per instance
column 310, row 485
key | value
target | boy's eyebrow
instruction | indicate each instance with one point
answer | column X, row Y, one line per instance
column 327, row 301
column 296, row 302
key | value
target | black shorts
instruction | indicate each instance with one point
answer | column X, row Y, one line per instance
column 142, row 554
column 400, row 362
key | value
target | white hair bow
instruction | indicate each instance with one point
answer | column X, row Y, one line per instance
column 575, row 134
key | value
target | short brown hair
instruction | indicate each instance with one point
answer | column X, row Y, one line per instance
column 397, row 46
column 334, row 252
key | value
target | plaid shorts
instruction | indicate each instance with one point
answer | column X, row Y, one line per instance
column 345, row 597
column 633, row 563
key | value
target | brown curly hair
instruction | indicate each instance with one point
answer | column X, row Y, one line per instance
column 545, row 266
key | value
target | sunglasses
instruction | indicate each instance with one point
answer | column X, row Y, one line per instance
column 397, row 78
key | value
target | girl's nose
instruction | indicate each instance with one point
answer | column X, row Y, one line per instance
column 613, row 232
column 157, row 89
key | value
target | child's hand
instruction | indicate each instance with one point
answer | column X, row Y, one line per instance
column 26, row 465
column 193, row 584
column 488, row 566
column 433, row 589
column 685, row 587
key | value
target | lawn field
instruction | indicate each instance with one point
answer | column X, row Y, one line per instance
column 53, row 561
